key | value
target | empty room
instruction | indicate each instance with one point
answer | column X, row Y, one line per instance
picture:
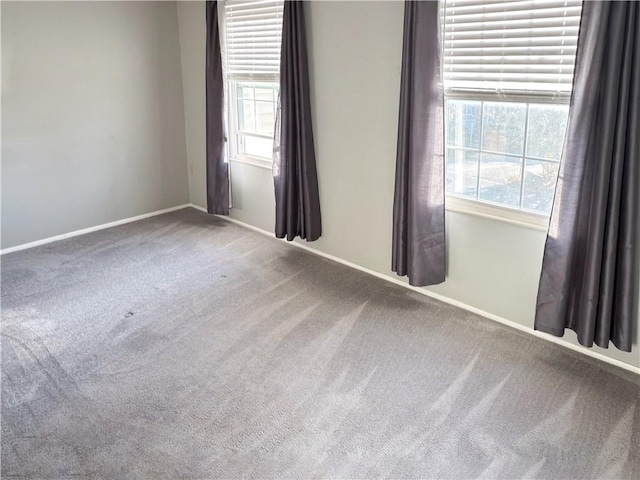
column 280, row 239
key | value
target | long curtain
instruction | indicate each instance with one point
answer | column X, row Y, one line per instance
column 589, row 280
column 294, row 161
column 418, row 207
column 217, row 167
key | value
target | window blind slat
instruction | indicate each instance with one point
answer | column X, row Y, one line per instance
column 507, row 34
column 258, row 28
column 254, row 34
column 474, row 6
column 555, row 42
column 241, row 5
column 516, row 60
column 502, row 45
column 253, row 12
column 491, row 28
column 500, row 14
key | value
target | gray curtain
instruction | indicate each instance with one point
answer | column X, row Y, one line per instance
column 294, row 160
column 589, row 279
column 418, row 207
column 217, row 168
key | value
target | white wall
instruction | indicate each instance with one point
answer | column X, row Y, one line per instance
column 192, row 21
column 92, row 115
column 355, row 54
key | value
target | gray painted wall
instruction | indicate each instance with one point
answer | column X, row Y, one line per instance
column 192, row 23
column 92, row 115
column 355, row 55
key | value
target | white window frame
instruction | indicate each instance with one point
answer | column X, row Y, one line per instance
column 235, row 135
column 478, row 207
column 481, row 208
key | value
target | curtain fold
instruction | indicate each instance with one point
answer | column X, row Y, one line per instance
column 418, row 207
column 217, row 167
column 294, row 162
column 589, row 279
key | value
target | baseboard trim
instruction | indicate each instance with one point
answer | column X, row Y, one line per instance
column 202, row 209
column 84, row 231
column 396, row 281
column 442, row 298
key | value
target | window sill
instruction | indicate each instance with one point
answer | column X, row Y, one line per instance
column 502, row 214
column 254, row 161
column 453, row 203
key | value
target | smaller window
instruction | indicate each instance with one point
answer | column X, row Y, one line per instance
column 253, row 32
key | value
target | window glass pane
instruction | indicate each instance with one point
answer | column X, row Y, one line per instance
column 503, row 128
column 264, row 94
column 500, row 178
column 246, row 115
column 500, row 144
column 547, row 125
column 463, row 123
column 265, row 115
column 539, row 185
column 462, row 172
column 245, row 91
column 258, row 147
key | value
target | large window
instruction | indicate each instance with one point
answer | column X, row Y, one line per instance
column 507, row 72
column 253, row 32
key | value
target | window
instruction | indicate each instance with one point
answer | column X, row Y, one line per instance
column 505, row 153
column 507, row 74
column 255, row 113
column 253, row 32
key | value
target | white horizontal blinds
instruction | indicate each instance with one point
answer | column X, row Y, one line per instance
column 510, row 45
column 254, row 34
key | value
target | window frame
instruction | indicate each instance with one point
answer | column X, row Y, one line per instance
column 235, row 133
column 479, row 207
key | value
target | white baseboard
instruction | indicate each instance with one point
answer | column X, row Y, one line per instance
column 83, row 231
column 442, row 298
column 202, row 209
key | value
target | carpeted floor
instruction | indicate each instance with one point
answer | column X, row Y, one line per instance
column 184, row 346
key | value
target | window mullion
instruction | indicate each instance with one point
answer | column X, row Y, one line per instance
column 524, row 155
column 481, row 140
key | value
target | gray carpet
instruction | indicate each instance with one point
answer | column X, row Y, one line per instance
column 184, row 346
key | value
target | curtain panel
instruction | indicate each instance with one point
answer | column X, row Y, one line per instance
column 294, row 161
column 217, row 167
column 589, row 280
column 418, row 207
